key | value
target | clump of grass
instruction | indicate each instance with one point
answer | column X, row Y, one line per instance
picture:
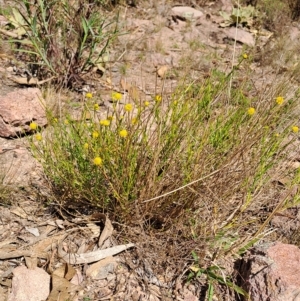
column 195, row 162
column 65, row 39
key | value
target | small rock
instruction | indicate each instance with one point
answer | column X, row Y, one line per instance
column 29, row 285
column 186, row 12
column 18, row 108
column 272, row 272
column 240, row 35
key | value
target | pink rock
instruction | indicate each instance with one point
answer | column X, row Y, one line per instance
column 272, row 272
column 29, row 285
column 240, row 35
column 18, row 109
column 186, row 12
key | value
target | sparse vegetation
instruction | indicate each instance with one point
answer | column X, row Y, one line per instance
column 194, row 169
column 64, row 40
column 195, row 161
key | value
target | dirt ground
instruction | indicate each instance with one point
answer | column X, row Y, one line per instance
column 158, row 49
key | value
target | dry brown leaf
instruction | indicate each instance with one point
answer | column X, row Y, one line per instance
column 19, row 212
column 77, row 278
column 65, row 271
column 33, row 231
column 49, row 242
column 62, row 289
column 2, row 294
column 74, row 258
column 14, row 254
column 134, row 93
column 162, row 71
column 31, row 262
column 125, row 85
column 102, row 268
column 94, row 229
column 106, row 233
column 6, row 242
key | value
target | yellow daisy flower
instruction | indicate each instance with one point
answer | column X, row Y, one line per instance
column 105, row 122
column 123, row 133
column 158, row 98
column 33, row 126
column 38, row 137
column 251, row 111
column 116, row 96
column 97, row 161
column 279, row 100
column 295, row 129
column 128, row 107
column 95, row 134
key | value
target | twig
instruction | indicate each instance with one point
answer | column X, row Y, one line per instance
column 182, row 187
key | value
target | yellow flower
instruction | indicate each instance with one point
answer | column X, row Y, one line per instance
column 134, row 120
column 251, row 111
column 55, row 120
column 33, row 126
column 146, row 103
column 97, row 161
column 105, row 122
column 38, row 137
column 96, row 107
column 175, row 102
column 95, row 134
column 245, row 56
column 279, row 100
column 128, row 107
column 66, row 122
column 123, row 133
column 88, row 95
column 158, row 98
column 86, row 146
column 295, row 129
column 116, row 96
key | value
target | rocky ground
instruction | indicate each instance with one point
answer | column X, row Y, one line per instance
column 161, row 44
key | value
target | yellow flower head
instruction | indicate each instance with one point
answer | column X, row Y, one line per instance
column 251, row 111
column 95, row 134
column 66, row 122
column 116, row 96
column 123, row 133
column 105, row 122
column 55, row 120
column 97, row 161
column 245, row 56
column 33, row 126
column 88, row 95
column 96, row 107
column 134, row 120
column 146, row 103
column 128, row 107
column 279, row 100
column 86, row 146
column 158, row 98
column 295, row 129
column 38, row 137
